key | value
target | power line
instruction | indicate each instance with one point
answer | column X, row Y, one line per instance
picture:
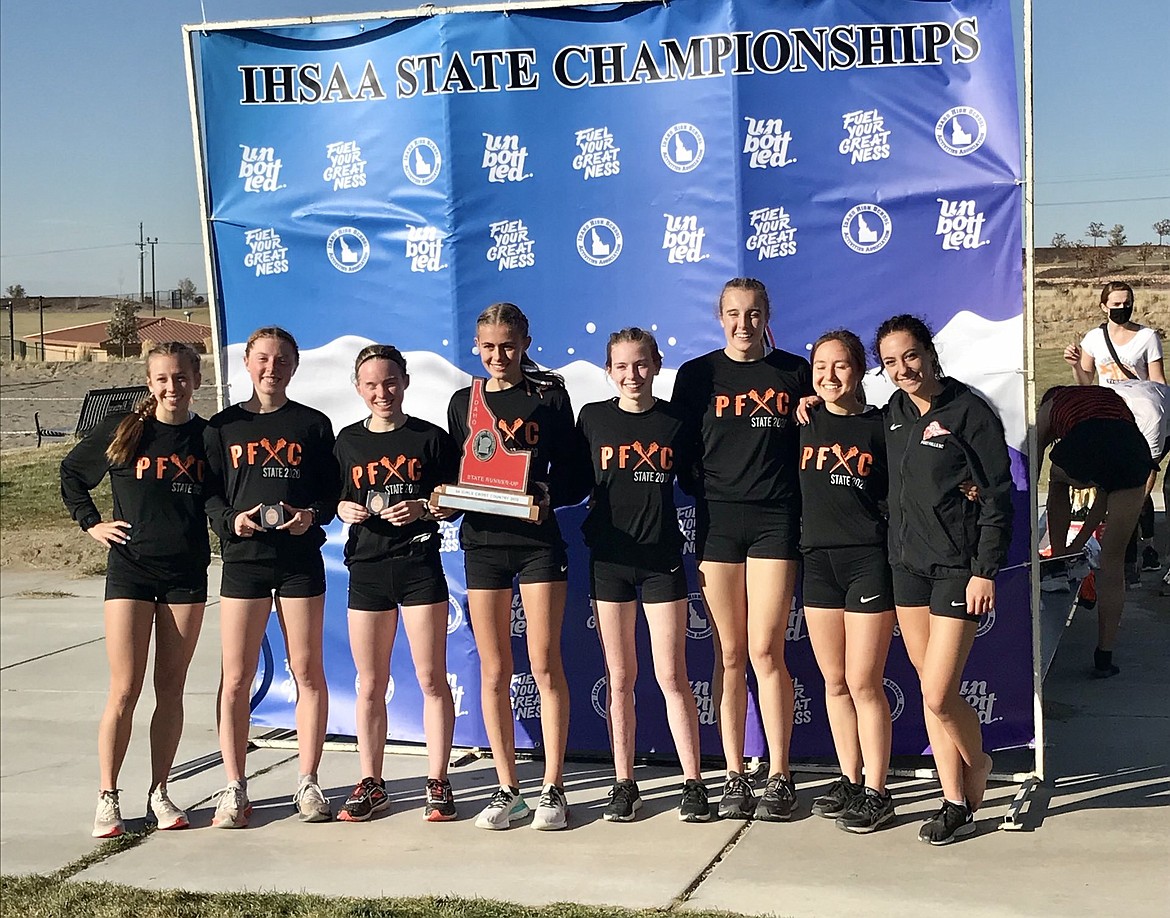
column 89, row 248
column 1162, row 197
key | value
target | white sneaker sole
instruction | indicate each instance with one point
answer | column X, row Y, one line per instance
column 544, row 824
column 495, row 823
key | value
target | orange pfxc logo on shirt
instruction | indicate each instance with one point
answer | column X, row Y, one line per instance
column 764, row 407
column 386, row 471
column 263, row 452
column 851, row 461
column 635, row 456
column 519, row 434
column 169, row 468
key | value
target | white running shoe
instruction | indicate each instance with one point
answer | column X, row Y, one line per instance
column 107, row 821
column 553, row 810
column 505, row 808
column 164, row 811
column 233, row 808
column 311, row 803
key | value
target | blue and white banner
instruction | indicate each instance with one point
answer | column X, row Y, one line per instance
column 385, row 180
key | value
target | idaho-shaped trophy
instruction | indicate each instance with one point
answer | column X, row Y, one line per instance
column 492, row 477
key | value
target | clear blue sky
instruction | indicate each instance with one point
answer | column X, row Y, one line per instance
column 95, row 134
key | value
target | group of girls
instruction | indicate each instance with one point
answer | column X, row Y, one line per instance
column 729, row 436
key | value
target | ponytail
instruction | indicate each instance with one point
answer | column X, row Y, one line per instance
column 535, row 377
column 128, row 434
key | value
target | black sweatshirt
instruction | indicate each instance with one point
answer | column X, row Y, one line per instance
column 159, row 492
column 539, row 421
column 406, row 464
column 284, row 455
column 934, row 530
column 742, row 415
column 844, row 479
column 634, row 456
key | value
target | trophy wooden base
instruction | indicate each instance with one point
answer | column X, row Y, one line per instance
column 487, row 500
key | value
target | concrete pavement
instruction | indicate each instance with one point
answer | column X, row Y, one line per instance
column 1095, row 840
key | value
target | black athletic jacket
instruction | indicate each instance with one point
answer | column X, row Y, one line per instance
column 934, row 530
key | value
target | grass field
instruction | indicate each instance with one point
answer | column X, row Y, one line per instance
column 48, row 897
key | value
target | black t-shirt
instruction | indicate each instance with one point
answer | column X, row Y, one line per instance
column 284, row 455
column 539, row 421
column 160, row 492
column 406, row 464
column 844, row 479
column 634, row 456
column 742, row 415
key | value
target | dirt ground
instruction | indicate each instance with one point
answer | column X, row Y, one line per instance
column 56, row 391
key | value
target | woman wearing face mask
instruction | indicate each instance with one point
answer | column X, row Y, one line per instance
column 1136, row 352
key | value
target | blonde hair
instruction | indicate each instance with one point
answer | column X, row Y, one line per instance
column 128, row 433
column 379, row 352
column 273, row 331
column 510, row 315
column 632, row 335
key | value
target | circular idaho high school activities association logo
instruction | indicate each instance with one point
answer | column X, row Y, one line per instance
column 961, row 130
column 986, row 622
column 421, row 161
column 454, row 615
column 483, row 447
column 866, row 228
column 348, row 249
column 698, row 622
column 599, row 242
column 682, row 147
column 895, row 697
column 598, row 696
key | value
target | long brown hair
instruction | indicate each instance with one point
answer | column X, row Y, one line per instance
column 853, row 348
column 128, row 433
column 633, row 335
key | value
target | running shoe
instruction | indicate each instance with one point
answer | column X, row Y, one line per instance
column 952, row 822
column 778, row 801
column 440, row 805
column 836, row 800
column 624, row 802
column 367, row 798
column 738, row 799
column 694, row 806
column 552, row 812
column 311, row 803
column 232, row 809
column 867, row 812
column 1150, row 559
column 107, row 821
column 505, row 808
column 163, row 811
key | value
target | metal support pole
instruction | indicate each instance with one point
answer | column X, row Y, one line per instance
column 11, row 331
column 141, row 243
column 153, row 284
column 41, row 309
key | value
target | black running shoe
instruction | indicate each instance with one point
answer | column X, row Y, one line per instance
column 624, row 802
column 835, row 801
column 694, row 806
column 951, row 822
column 738, row 799
column 868, row 811
column 778, row 801
column 1150, row 559
column 440, row 805
column 366, row 799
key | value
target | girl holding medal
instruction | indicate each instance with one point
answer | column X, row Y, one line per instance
column 389, row 464
column 272, row 461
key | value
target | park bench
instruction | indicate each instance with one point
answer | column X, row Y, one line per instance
column 97, row 405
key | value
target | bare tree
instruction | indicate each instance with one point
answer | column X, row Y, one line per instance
column 1117, row 235
column 186, row 290
column 1145, row 252
column 1078, row 251
column 1100, row 260
column 1162, row 228
column 1060, row 241
column 1095, row 231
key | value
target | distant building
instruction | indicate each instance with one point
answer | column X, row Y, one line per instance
column 93, row 339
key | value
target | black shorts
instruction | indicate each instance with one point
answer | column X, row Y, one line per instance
column 733, row 531
column 659, row 574
column 409, row 580
column 946, row 597
column 854, row 578
column 1107, row 452
column 298, row 578
column 496, row 568
column 125, row 581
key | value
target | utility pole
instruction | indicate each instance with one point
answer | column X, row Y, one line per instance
column 153, row 285
column 141, row 243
